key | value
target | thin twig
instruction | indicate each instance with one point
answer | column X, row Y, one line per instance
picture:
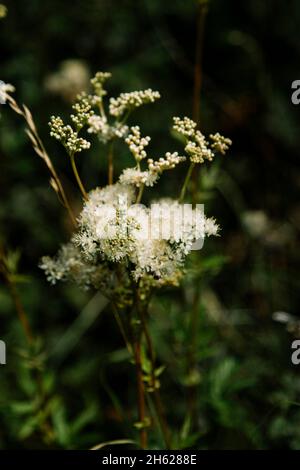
column 198, row 75
column 111, row 163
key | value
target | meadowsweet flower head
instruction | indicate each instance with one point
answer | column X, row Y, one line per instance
column 83, row 112
column 98, row 82
column 197, row 147
column 137, row 178
column 67, row 136
column 184, row 126
column 115, row 233
column 154, row 241
column 220, row 144
column 211, row 227
column 137, row 143
column 69, row 265
column 167, row 163
column 129, row 101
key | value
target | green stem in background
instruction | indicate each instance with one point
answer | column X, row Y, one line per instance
column 140, row 391
column 81, row 187
column 186, row 182
column 126, row 116
column 111, row 163
column 101, row 109
column 140, row 194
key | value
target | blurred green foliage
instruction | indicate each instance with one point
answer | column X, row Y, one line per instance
column 72, row 387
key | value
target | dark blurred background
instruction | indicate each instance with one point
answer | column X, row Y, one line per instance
column 248, row 390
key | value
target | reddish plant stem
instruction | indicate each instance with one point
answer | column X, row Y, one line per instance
column 110, row 164
column 198, row 80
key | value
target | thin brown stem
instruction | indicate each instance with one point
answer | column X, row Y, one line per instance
column 198, row 75
column 198, row 80
column 111, row 163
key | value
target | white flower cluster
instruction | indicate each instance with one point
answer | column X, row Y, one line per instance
column 149, row 242
column 98, row 82
column 116, row 235
column 197, row 147
column 138, row 177
column 69, row 265
column 167, row 163
column 5, row 89
column 98, row 125
column 220, row 143
column 184, row 126
column 137, row 143
column 129, row 101
column 67, row 136
column 83, row 112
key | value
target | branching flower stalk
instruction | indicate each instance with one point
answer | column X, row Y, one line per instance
column 120, row 247
column 77, row 177
column 186, row 182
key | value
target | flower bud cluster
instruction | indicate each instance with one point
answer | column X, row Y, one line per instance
column 129, row 101
column 67, row 136
column 137, row 143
